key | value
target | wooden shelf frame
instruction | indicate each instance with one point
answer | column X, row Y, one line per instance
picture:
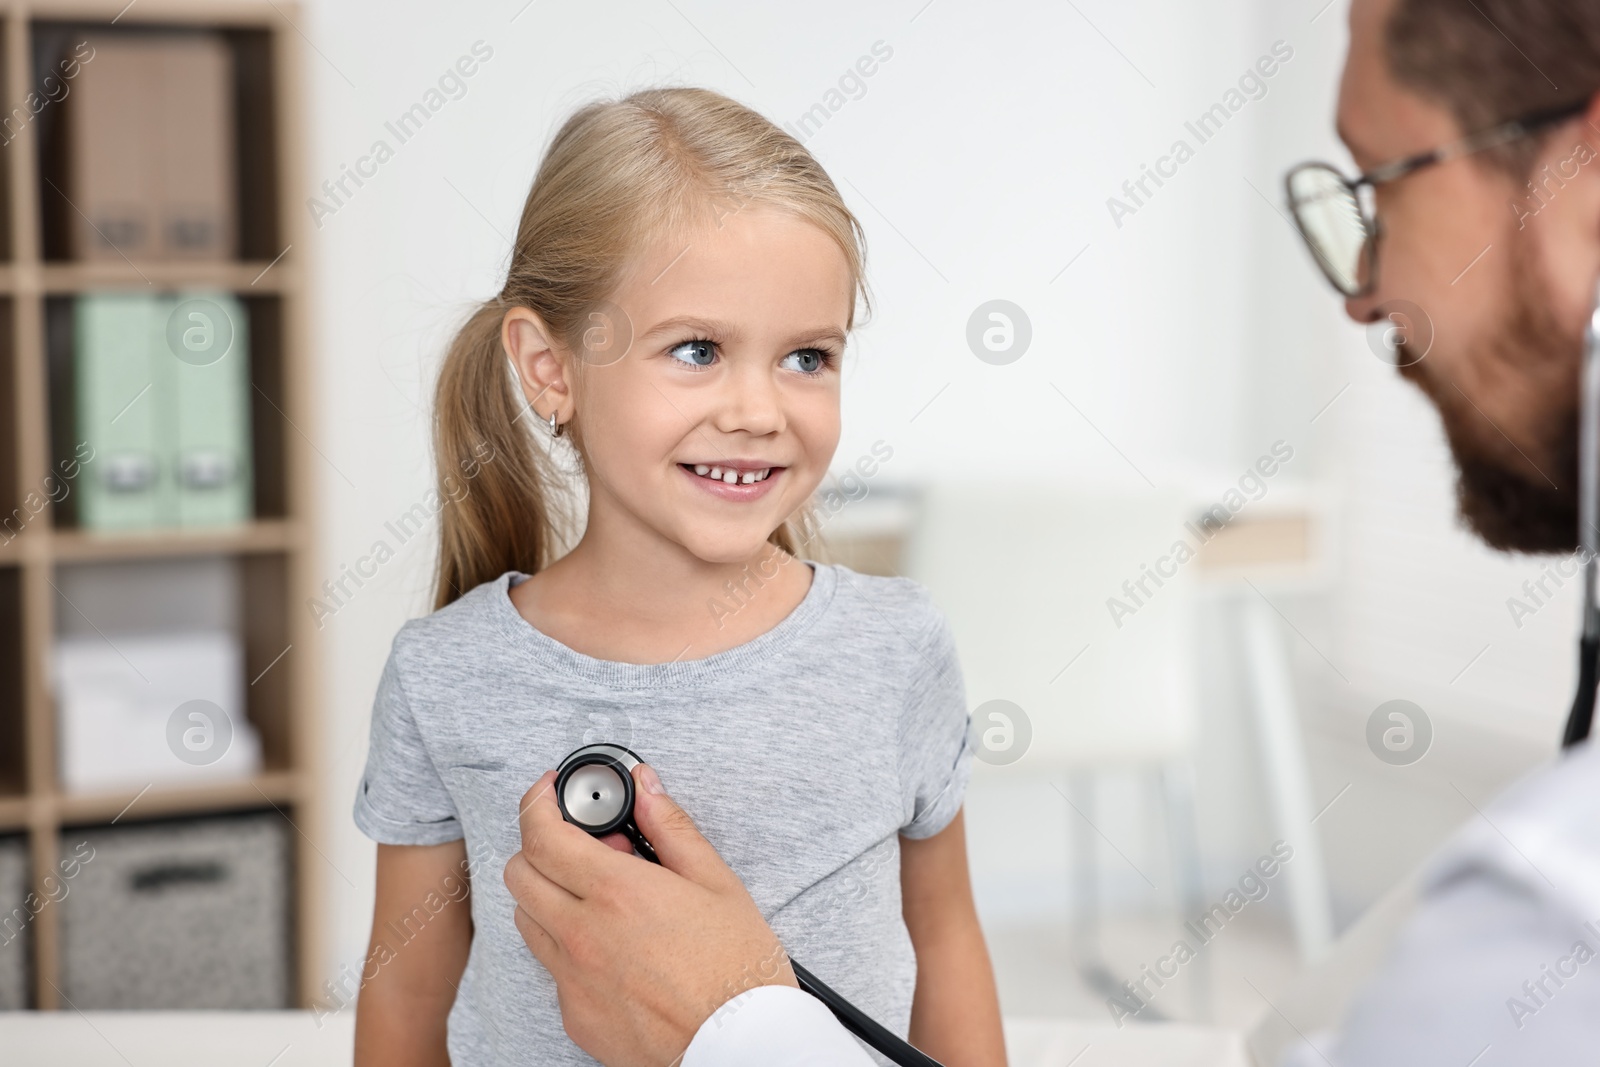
column 273, row 788
column 42, row 810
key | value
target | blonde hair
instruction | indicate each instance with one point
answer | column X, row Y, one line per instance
column 618, row 176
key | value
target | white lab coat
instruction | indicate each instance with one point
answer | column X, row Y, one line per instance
column 1499, row 963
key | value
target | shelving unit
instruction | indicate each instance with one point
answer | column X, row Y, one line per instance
column 272, row 553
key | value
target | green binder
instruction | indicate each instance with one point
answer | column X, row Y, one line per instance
column 117, row 413
column 205, row 340
column 163, row 397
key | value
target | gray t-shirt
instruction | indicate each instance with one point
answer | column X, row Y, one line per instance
column 801, row 755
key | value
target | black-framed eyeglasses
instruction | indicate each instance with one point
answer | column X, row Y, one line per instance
column 1338, row 216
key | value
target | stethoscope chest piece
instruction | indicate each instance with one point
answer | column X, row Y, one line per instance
column 594, row 790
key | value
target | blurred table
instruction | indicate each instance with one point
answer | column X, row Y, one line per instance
column 177, row 1038
column 301, row 1039
column 1059, row 1042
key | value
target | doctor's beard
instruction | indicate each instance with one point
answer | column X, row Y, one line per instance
column 1510, row 506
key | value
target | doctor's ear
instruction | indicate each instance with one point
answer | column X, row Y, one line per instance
column 540, row 361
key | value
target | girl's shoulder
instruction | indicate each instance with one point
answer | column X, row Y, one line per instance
column 455, row 632
column 902, row 603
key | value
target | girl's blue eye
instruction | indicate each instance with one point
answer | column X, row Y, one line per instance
column 806, row 360
column 695, row 353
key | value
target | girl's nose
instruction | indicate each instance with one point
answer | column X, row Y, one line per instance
column 750, row 401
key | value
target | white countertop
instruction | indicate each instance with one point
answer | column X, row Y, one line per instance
column 299, row 1039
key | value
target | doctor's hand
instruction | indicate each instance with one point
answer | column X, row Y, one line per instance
column 641, row 954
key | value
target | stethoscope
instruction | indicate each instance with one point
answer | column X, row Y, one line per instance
column 594, row 790
column 1588, row 535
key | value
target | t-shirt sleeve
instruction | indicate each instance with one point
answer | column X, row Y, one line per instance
column 401, row 799
column 935, row 755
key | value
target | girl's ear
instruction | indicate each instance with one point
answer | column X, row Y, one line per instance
column 539, row 362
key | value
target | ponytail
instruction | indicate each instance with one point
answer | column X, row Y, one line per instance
column 514, row 511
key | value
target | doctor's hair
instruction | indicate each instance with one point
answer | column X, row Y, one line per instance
column 618, row 176
column 1460, row 55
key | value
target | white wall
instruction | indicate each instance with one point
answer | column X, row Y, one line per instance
column 980, row 159
column 988, row 142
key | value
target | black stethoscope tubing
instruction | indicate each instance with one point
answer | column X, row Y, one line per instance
column 1582, row 714
column 620, row 762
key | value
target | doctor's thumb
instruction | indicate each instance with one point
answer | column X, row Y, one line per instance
column 679, row 844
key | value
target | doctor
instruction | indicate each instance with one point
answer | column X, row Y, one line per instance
column 1476, row 124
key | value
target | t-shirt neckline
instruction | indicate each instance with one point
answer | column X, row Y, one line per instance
column 547, row 652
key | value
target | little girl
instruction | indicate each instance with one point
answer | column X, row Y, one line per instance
column 683, row 282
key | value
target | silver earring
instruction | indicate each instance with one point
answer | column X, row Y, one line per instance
column 556, row 428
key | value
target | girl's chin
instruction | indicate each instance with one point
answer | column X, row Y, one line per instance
column 729, row 551
column 729, row 542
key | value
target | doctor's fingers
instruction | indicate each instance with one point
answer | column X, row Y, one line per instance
column 540, row 943
column 539, row 900
column 539, row 794
column 679, row 845
column 560, row 851
column 544, row 790
column 619, row 842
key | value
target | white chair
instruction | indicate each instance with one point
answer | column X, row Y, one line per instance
column 1032, row 580
column 1279, row 548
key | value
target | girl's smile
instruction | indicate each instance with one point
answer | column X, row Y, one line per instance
column 738, row 480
